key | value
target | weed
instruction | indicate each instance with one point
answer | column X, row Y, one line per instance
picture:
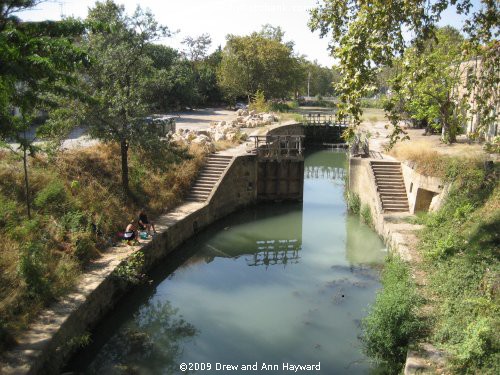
column 353, row 202
column 366, row 215
column 131, row 269
column 392, row 321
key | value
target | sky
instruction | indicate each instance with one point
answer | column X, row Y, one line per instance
column 219, row 18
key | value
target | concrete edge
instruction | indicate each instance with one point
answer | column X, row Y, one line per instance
column 48, row 344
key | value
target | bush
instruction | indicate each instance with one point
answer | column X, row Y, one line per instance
column 33, row 270
column 259, row 103
column 353, row 202
column 83, row 247
column 51, row 197
column 392, row 321
column 366, row 215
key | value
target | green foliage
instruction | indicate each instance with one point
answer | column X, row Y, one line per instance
column 8, row 211
column 392, row 321
column 259, row 61
column 493, row 147
column 460, row 245
column 353, row 202
column 131, row 269
column 368, row 36
column 375, row 102
column 83, row 247
column 366, row 215
column 259, row 103
column 426, row 86
column 53, row 195
column 33, row 270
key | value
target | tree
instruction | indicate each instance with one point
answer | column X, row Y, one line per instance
column 197, row 47
column 38, row 62
column 117, row 78
column 258, row 62
column 425, row 85
column 367, row 35
column 319, row 79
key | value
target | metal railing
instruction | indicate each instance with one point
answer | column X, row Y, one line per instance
column 322, row 119
column 279, row 147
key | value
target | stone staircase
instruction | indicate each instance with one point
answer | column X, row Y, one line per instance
column 208, row 177
column 390, row 185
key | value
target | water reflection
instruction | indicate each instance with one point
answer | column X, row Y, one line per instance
column 275, row 283
column 148, row 342
column 328, row 173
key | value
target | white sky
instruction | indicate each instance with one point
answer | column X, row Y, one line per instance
column 218, row 18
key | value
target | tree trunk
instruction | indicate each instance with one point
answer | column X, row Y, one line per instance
column 124, row 155
column 26, row 182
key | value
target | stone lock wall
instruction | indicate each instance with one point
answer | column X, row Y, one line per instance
column 48, row 344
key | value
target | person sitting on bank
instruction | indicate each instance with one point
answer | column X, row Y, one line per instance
column 144, row 223
column 130, row 233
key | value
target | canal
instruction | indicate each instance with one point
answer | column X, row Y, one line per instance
column 275, row 284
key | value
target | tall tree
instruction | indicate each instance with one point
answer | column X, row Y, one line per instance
column 426, row 83
column 117, row 79
column 258, row 62
column 38, row 62
column 197, row 47
column 369, row 34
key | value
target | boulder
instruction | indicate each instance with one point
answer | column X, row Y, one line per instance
column 244, row 113
column 218, row 136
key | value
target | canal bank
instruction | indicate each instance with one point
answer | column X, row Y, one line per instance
column 399, row 232
column 273, row 283
column 61, row 329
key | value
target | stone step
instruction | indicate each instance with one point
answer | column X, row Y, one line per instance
column 391, row 184
column 213, row 169
column 201, row 189
column 386, row 172
column 209, row 174
column 217, row 163
column 394, row 205
column 198, row 196
column 208, row 180
column 384, row 162
column 204, row 183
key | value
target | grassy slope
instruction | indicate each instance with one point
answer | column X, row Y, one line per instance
column 41, row 258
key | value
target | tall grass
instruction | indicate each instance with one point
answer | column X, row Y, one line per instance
column 72, row 192
column 460, row 244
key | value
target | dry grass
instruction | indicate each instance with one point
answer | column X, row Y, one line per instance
column 88, row 182
column 426, row 159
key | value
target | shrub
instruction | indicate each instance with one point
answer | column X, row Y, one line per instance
column 51, row 197
column 366, row 215
column 392, row 320
column 353, row 202
column 131, row 269
column 259, row 103
column 33, row 270
column 8, row 211
column 83, row 247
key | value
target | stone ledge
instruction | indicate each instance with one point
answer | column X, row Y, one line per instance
column 45, row 347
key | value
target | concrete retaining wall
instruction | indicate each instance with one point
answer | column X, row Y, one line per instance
column 53, row 338
column 425, row 193
column 400, row 237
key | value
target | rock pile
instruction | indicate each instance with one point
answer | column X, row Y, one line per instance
column 252, row 119
column 207, row 137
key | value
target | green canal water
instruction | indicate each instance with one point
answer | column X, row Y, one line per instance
column 277, row 284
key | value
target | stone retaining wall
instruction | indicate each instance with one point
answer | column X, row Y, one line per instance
column 54, row 337
column 400, row 237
